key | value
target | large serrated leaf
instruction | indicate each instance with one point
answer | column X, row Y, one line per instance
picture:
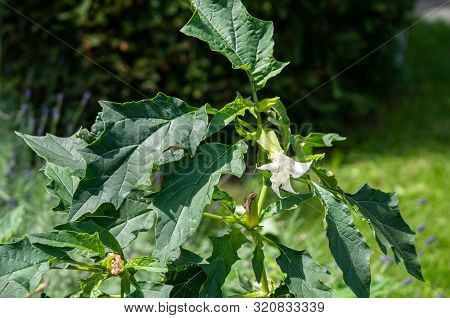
column 229, row 29
column 303, row 274
column 63, row 152
column 65, row 165
column 25, row 263
column 133, row 216
column 85, row 242
column 391, row 231
column 92, row 228
column 224, row 255
column 346, row 243
column 187, row 189
column 134, row 138
column 62, row 186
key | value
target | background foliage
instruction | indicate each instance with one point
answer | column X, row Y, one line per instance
column 140, row 42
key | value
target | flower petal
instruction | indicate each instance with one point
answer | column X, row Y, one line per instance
column 287, row 186
column 275, row 186
column 300, row 168
column 269, row 166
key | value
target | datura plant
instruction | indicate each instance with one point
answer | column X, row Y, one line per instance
column 104, row 180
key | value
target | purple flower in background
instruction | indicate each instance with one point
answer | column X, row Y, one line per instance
column 86, row 96
column 23, row 108
column 55, row 112
column 421, row 228
column 44, row 111
column 31, row 122
column 27, row 93
column 408, row 281
column 431, row 240
column 69, row 129
column 12, row 202
column 59, row 97
column 39, row 131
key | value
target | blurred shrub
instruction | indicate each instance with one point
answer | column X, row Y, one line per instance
column 139, row 41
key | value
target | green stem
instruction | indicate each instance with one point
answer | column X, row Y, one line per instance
column 262, row 197
column 264, row 190
column 83, row 264
column 83, row 269
column 213, row 216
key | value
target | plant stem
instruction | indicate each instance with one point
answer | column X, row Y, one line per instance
column 264, row 190
column 262, row 197
column 213, row 216
column 81, row 266
column 83, row 269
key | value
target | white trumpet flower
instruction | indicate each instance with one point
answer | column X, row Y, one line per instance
column 282, row 168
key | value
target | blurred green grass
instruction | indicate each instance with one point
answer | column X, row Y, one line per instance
column 403, row 148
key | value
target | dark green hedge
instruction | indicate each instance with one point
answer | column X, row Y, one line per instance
column 139, row 41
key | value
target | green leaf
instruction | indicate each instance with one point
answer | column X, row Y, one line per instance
column 281, row 119
column 134, row 139
column 10, row 223
column 62, row 186
column 25, row 263
column 80, row 241
column 282, row 291
column 187, row 189
column 224, row 255
column 90, row 287
column 89, row 227
column 145, row 263
column 303, row 274
column 151, row 290
column 228, row 29
column 258, row 262
column 187, row 282
column 187, row 258
column 125, row 284
column 346, row 243
column 391, row 231
column 224, row 199
column 228, row 113
column 327, row 178
column 291, row 202
column 133, row 216
column 11, row 290
column 64, row 167
column 63, row 152
column 305, row 145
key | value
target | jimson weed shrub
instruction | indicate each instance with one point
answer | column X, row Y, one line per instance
column 104, row 180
